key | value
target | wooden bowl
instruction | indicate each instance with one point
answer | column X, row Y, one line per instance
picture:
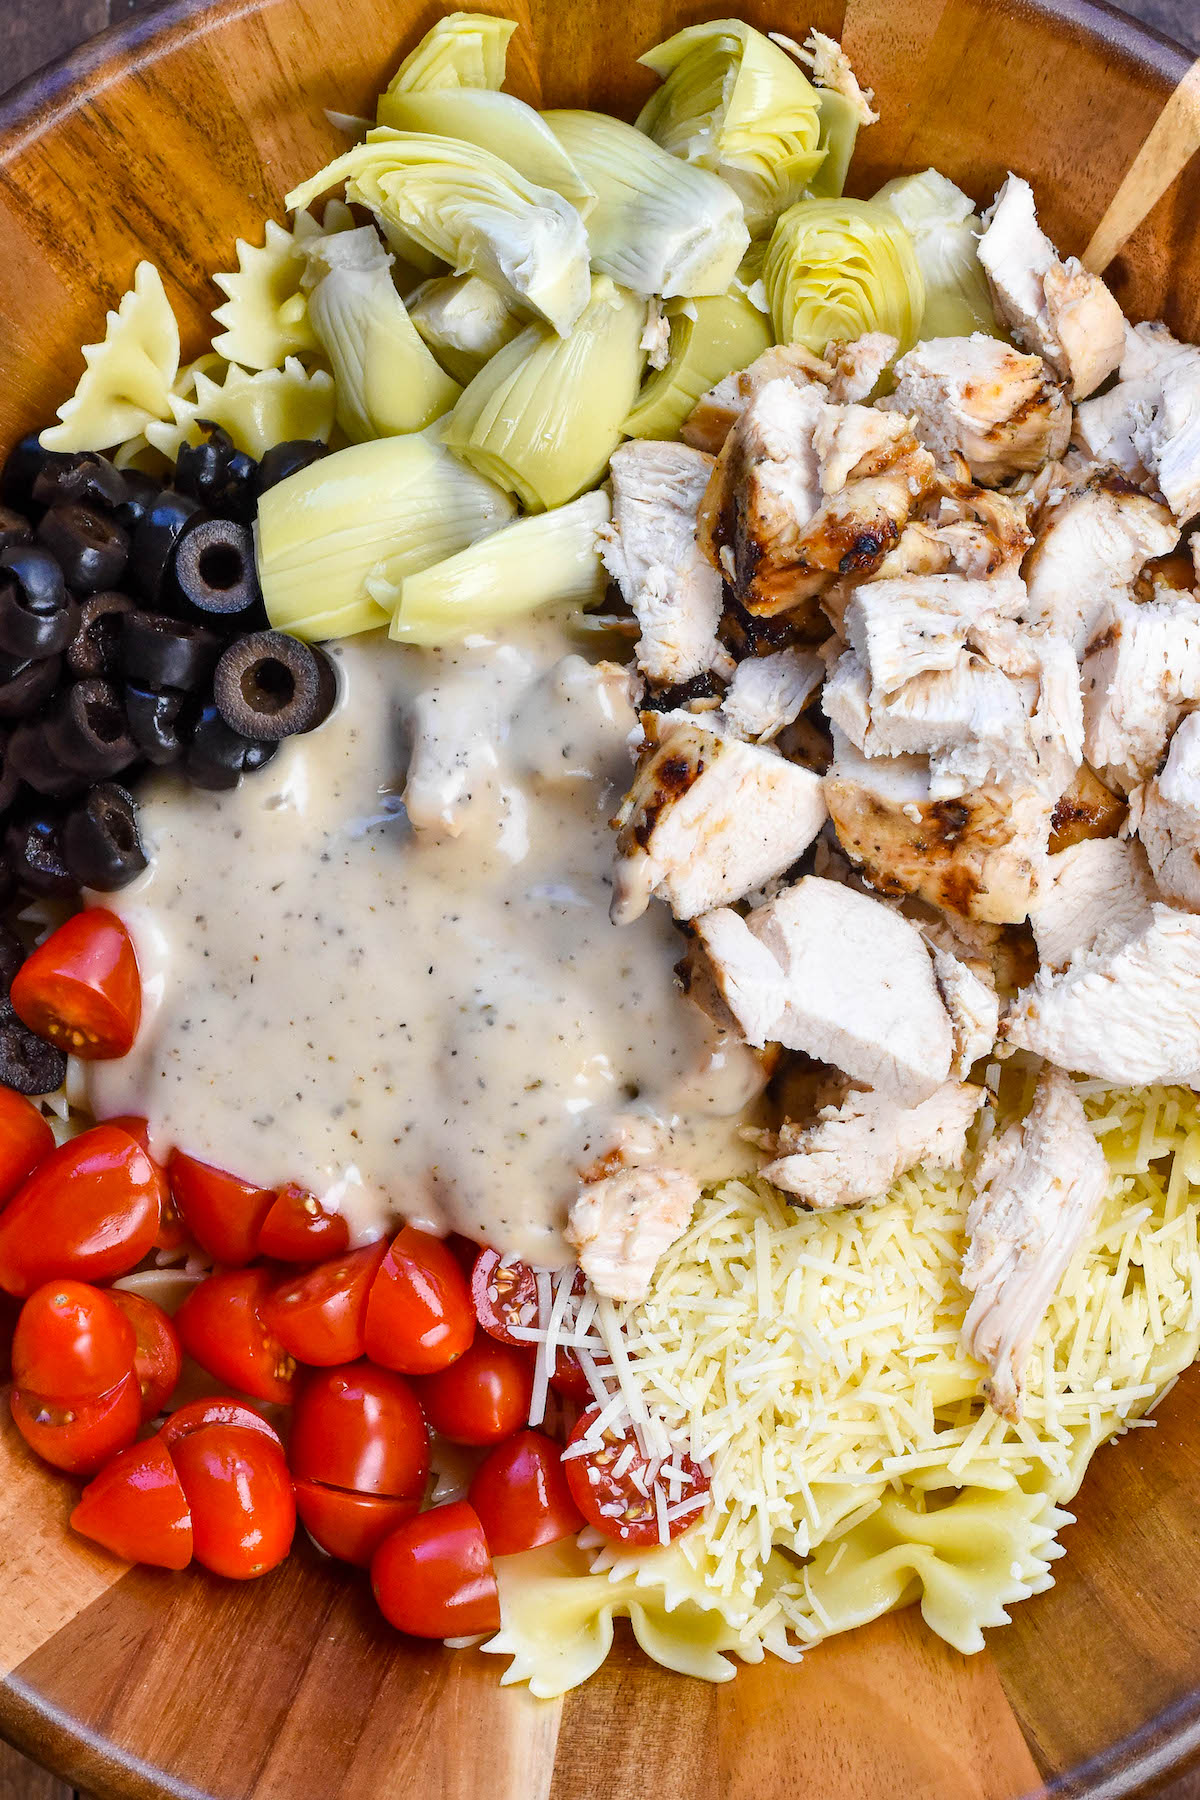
column 168, row 138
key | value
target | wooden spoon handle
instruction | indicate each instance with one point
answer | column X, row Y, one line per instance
column 1174, row 138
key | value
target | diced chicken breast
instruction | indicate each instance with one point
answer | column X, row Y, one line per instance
column 1166, row 816
column 1093, row 539
column 1128, row 1011
column 974, row 1007
column 576, row 724
column 1087, row 809
column 1102, row 884
column 708, row 819
column 1149, row 424
column 855, row 1151
column 453, row 769
column 977, row 398
column 857, row 366
column 1140, row 672
column 915, row 624
column 1037, row 1189
column 978, row 854
column 768, row 693
column 621, row 1224
column 840, row 976
column 832, row 68
column 1053, row 307
column 650, row 550
column 715, row 413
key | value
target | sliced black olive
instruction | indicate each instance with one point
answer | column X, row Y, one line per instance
column 25, row 462
column 8, row 889
column 218, row 756
column 37, row 615
column 87, row 730
column 215, row 573
column 90, row 549
column 10, row 780
column 33, row 848
column 154, row 723
column 84, row 478
column 271, row 686
column 154, row 541
column 95, row 647
column 217, row 474
column 287, row 459
column 26, row 685
column 35, row 763
column 102, row 846
column 27, row 1062
column 12, row 955
column 257, row 757
column 14, row 528
column 141, row 494
column 157, row 652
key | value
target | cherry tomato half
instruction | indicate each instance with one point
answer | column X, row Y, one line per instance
column 25, row 1140
column 71, row 1343
column 320, row 1315
column 521, row 1495
column 419, row 1314
column 350, row 1526
column 623, row 1506
column 434, row 1577
column 299, row 1229
column 136, row 1507
column 216, row 1409
column 158, row 1354
column 240, row 1496
column 483, row 1397
column 81, row 989
column 221, row 1324
column 79, row 1435
column 171, row 1234
column 223, row 1213
column 89, row 1210
column 360, row 1428
column 504, row 1294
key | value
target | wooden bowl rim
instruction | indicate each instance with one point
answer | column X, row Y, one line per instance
column 1165, row 1745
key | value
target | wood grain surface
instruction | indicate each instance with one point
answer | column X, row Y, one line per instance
column 135, row 1684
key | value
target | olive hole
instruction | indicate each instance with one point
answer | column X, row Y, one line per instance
column 105, row 722
column 220, row 567
column 121, row 831
column 268, row 686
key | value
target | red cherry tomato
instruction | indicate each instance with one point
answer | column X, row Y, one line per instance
column 350, row 1526
column 240, row 1496
column 136, row 1507
column 81, row 989
column 220, row 1409
column 504, row 1294
column 483, row 1397
column 521, row 1495
column 434, row 1578
column 89, row 1210
column 158, row 1355
column 419, row 1314
column 360, row 1428
column 25, row 1140
column 320, row 1314
column 299, row 1229
column 171, row 1234
column 71, row 1343
column 221, row 1324
column 223, row 1213
column 623, row 1506
column 79, row 1435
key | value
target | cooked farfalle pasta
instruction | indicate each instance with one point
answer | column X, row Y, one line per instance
column 257, row 408
column 265, row 314
column 127, row 381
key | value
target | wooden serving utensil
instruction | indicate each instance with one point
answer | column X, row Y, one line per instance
column 1173, row 140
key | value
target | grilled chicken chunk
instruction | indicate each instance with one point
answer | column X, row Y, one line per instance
column 857, row 366
column 453, row 769
column 847, row 373
column 621, row 1224
column 768, row 693
column 855, row 1151
column 1093, row 538
column 709, row 818
column 1103, row 884
column 1140, row 672
column 974, row 1007
column 1037, row 1189
column 1127, row 1011
column 1149, row 423
column 1165, row 813
column 978, row 399
column 1053, row 307
column 915, row 624
column 1087, row 809
column 650, row 550
column 840, row 976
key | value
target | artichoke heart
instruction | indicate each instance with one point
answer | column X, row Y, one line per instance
column 835, row 269
column 457, row 201
column 710, row 338
column 402, row 501
column 945, row 229
column 734, row 102
column 550, row 559
column 544, row 416
column 840, row 122
column 464, row 320
column 463, row 50
column 386, row 378
column 659, row 226
column 499, row 123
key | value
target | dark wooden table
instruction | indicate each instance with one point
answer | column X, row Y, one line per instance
column 31, row 33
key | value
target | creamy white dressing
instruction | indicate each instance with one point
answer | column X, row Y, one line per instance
column 437, row 1023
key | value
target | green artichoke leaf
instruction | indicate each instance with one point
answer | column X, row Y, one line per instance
column 463, row 50
column 710, row 338
column 944, row 228
column 835, row 269
column 500, row 123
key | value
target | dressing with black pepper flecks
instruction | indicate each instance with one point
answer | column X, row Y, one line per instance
column 383, row 967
